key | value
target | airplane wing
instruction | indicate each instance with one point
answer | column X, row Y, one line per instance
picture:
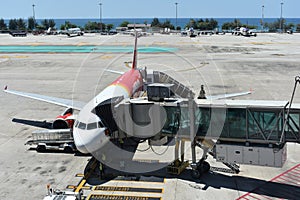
column 226, row 96
column 113, row 71
column 54, row 100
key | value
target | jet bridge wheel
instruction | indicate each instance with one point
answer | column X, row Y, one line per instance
column 195, row 174
column 204, row 167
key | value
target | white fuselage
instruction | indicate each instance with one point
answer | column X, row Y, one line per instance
column 89, row 131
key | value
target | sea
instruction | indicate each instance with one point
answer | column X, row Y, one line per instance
column 182, row 22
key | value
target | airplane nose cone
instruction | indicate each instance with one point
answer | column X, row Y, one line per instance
column 89, row 141
column 80, row 142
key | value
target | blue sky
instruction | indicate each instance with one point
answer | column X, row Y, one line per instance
column 52, row 9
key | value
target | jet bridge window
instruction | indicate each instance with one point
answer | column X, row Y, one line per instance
column 235, row 124
column 264, row 125
column 202, row 120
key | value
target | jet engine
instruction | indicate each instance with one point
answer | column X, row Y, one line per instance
column 65, row 120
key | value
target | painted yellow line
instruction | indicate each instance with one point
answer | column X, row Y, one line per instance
column 128, row 189
column 81, row 185
column 18, row 56
column 121, row 197
column 82, row 44
column 79, row 175
column 106, row 57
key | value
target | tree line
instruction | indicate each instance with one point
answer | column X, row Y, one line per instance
column 200, row 24
column 31, row 24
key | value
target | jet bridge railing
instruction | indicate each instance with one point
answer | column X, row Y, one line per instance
column 179, row 89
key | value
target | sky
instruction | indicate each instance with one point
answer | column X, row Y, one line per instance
column 56, row 9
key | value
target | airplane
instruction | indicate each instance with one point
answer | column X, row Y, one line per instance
column 243, row 31
column 93, row 127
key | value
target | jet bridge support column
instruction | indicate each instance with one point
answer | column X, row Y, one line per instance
column 297, row 82
column 179, row 143
column 178, row 165
column 191, row 107
column 198, row 168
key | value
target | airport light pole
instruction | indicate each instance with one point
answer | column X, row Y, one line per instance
column 100, row 13
column 262, row 17
column 281, row 20
column 176, row 16
column 33, row 15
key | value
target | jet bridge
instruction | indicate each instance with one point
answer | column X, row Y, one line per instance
column 233, row 131
column 244, row 132
column 239, row 121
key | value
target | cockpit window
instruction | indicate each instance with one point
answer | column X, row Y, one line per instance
column 82, row 125
column 92, row 126
column 76, row 123
column 100, row 125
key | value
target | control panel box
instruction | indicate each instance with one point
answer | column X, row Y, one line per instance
column 252, row 155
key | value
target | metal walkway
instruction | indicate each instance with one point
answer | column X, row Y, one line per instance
column 235, row 121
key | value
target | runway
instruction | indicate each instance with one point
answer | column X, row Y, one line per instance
column 222, row 63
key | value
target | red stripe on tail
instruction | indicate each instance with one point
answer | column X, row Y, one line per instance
column 134, row 63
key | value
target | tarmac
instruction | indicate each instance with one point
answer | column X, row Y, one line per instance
column 266, row 64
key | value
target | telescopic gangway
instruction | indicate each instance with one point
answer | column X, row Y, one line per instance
column 233, row 131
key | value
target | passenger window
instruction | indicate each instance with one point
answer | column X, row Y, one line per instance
column 92, row 126
column 82, row 126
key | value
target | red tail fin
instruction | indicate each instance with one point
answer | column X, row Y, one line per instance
column 134, row 63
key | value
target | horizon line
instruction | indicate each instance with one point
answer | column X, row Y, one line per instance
column 161, row 18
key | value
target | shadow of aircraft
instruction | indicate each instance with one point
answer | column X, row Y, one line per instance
column 211, row 179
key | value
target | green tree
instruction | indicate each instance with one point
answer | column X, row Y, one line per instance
column 201, row 24
column 109, row 26
column 102, row 26
column 192, row 24
column 213, row 24
column 298, row 28
column 155, row 23
column 12, row 24
column 67, row 25
column 91, row 26
column 51, row 23
column 289, row 26
column 167, row 24
column 45, row 24
column 124, row 24
column 31, row 23
column 3, row 25
column 273, row 27
column 21, row 24
column 234, row 24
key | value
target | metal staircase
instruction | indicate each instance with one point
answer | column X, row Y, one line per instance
column 178, row 88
